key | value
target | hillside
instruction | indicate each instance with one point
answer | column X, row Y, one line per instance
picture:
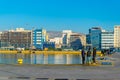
column 53, row 34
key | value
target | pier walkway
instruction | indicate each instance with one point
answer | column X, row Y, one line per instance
column 61, row 72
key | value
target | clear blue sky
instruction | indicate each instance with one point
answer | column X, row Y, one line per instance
column 77, row 15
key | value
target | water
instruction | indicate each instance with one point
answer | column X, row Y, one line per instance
column 40, row 58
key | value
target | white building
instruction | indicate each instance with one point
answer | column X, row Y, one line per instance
column 66, row 37
column 107, row 39
column 117, row 36
column 58, row 41
column 19, row 30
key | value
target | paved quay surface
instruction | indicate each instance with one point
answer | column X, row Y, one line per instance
column 61, row 72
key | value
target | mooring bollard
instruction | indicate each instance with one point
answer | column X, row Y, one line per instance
column 20, row 61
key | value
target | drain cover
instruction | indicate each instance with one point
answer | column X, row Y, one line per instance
column 82, row 79
column 22, row 77
column 41, row 78
column 61, row 79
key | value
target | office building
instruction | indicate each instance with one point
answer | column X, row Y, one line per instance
column 107, row 39
column 117, row 36
column 95, row 37
column 18, row 38
column 39, row 36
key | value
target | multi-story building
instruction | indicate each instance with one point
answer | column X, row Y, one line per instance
column 117, row 36
column 95, row 37
column 39, row 36
column 66, row 37
column 18, row 38
column 107, row 39
column 3, row 44
column 77, row 41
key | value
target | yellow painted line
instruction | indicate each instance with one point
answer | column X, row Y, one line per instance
column 45, row 52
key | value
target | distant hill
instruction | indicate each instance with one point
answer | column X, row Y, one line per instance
column 53, row 34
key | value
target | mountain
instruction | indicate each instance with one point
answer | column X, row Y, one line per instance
column 53, row 34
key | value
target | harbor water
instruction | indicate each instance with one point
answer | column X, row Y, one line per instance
column 40, row 58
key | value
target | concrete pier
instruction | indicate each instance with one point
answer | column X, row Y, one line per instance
column 61, row 72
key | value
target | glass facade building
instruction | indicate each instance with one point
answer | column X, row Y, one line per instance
column 95, row 37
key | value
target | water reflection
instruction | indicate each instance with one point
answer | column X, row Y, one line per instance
column 40, row 58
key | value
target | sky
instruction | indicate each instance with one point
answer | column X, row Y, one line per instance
column 75, row 15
